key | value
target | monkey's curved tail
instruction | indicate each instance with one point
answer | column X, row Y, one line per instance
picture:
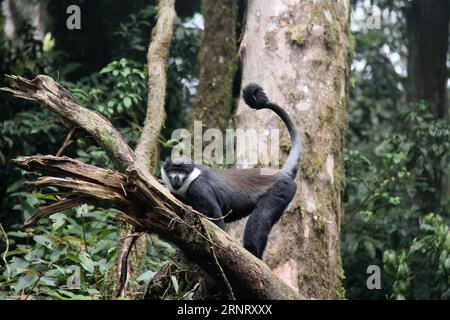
column 255, row 98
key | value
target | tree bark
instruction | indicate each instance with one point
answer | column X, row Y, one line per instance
column 10, row 17
column 298, row 51
column 428, row 34
column 38, row 18
column 16, row 13
column 144, row 202
column 217, row 62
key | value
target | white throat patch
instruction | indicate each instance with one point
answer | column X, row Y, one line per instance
column 182, row 191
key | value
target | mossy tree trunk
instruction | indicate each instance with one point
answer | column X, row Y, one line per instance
column 299, row 52
column 217, row 64
column 428, row 34
column 17, row 13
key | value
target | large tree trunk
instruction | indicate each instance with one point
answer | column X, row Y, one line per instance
column 298, row 50
column 428, row 32
column 16, row 13
column 38, row 18
column 217, row 64
column 10, row 20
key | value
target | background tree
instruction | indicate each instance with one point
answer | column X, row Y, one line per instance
column 300, row 54
column 217, row 64
column 428, row 33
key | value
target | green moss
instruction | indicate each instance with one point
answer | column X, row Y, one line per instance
column 311, row 165
column 190, row 218
column 319, row 61
column 315, row 276
column 331, row 35
column 340, row 290
column 302, row 212
column 108, row 143
column 298, row 34
column 320, row 225
column 351, row 42
column 285, row 146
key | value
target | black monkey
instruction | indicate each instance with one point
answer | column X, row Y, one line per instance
column 235, row 193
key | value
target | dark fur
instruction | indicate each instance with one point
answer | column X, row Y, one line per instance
column 229, row 195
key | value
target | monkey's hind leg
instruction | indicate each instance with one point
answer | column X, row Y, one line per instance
column 267, row 212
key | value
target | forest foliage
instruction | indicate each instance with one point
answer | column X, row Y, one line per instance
column 391, row 145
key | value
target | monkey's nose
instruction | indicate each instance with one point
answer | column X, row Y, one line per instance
column 176, row 182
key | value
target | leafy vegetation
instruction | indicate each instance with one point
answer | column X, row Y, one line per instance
column 395, row 214
column 383, row 214
column 393, row 150
column 44, row 262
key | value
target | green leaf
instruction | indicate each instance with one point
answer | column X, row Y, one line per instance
column 18, row 234
column 175, row 283
column 86, row 262
column 43, row 240
column 370, row 249
column 127, row 102
column 146, row 276
column 44, row 196
column 25, row 282
column 17, row 252
column 17, row 266
column 58, row 220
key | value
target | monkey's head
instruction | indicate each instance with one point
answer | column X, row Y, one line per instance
column 175, row 172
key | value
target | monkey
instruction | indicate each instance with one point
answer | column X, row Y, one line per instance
column 226, row 195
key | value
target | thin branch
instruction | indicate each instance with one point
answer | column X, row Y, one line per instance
column 54, row 208
column 124, row 267
column 222, row 274
column 146, row 150
column 66, row 142
column 4, row 253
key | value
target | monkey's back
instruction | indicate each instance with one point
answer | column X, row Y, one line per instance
column 254, row 181
column 247, row 185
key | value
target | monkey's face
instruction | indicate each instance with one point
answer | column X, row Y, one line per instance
column 177, row 178
column 175, row 172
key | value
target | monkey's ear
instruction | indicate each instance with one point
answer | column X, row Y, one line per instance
column 254, row 96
